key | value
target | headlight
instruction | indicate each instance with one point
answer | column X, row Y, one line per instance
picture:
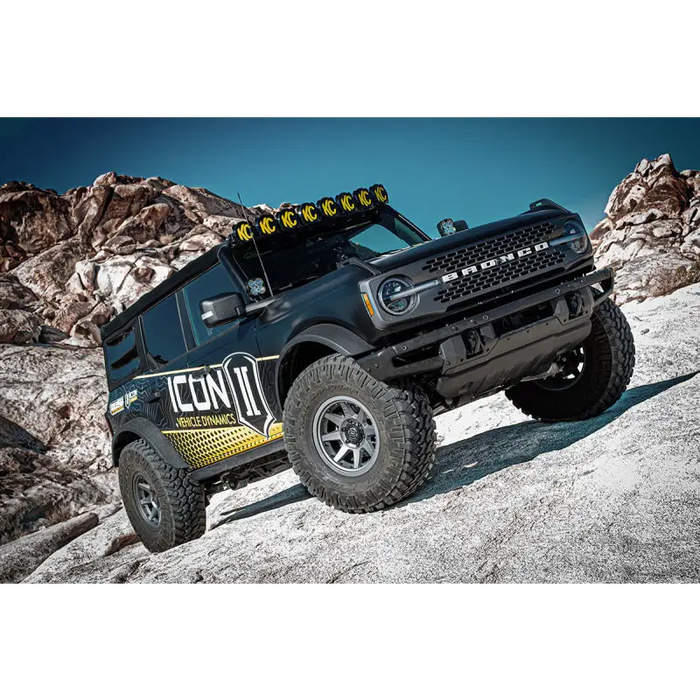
column 397, row 295
column 578, row 235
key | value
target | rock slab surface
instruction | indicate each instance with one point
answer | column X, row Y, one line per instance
column 612, row 499
column 19, row 558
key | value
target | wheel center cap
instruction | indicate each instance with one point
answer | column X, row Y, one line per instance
column 352, row 432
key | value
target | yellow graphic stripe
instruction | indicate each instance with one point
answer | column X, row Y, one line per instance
column 196, row 369
column 205, row 446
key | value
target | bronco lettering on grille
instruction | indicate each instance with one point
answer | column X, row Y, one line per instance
column 493, row 262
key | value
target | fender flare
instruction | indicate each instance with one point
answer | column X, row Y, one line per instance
column 336, row 338
column 143, row 428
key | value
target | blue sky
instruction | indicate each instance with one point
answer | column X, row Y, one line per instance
column 476, row 169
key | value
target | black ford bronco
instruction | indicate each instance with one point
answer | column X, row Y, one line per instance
column 327, row 336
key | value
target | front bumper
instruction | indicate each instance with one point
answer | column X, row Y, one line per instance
column 475, row 355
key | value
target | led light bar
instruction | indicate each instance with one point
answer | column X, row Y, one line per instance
column 309, row 214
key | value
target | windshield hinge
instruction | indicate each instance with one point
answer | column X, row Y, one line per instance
column 361, row 263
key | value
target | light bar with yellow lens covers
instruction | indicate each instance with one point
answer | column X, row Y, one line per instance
column 309, row 214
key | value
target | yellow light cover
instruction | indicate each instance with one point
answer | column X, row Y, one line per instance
column 288, row 219
column 328, row 207
column 380, row 194
column 363, row 197
column 267, row 225
column 347, row 202
column 309, row 213
column 244, row 231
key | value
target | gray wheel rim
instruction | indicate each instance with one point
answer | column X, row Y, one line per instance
column 346, row 436
column 147, row 501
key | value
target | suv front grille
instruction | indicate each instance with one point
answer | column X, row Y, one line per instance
column 506, row 272
column 492, row 248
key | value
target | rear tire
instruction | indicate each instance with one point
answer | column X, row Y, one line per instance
column 393, row 426
column 607, row 359
column 164, row 507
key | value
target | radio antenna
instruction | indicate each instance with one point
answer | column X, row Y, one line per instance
column 262, row 264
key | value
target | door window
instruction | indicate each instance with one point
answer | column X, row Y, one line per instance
column 210, row 284
column 122, row 358
column 162, row 331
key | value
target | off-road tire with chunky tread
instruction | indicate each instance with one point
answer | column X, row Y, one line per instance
column 182, row 502
column 609, row 352
column 406, row 428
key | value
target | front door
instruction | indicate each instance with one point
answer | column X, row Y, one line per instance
column 221, row 402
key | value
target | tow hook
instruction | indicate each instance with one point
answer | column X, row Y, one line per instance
column 575, row 303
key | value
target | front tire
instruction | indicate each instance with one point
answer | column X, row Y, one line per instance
column 356, row 443
column 594, row 377
column 164, row 507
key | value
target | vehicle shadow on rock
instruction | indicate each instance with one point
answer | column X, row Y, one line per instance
column 462, row 463
column 287, row 497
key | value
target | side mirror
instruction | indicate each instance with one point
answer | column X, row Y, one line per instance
column 222, row 308
column 447, row 226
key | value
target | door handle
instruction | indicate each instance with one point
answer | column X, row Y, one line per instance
column 155, row 396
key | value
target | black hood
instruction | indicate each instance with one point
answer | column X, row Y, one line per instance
column 428, row 249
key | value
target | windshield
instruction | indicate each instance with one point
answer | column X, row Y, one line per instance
column 294, row 259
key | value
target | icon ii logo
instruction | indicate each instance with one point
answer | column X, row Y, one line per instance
column 235, row 386
column 252, row 409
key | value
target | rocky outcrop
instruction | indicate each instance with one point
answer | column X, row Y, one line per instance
column 72, row 261
column 54, row 447
column 652, row 227
column 68, row 263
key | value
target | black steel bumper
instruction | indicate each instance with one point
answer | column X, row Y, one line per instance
column 471, row 357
